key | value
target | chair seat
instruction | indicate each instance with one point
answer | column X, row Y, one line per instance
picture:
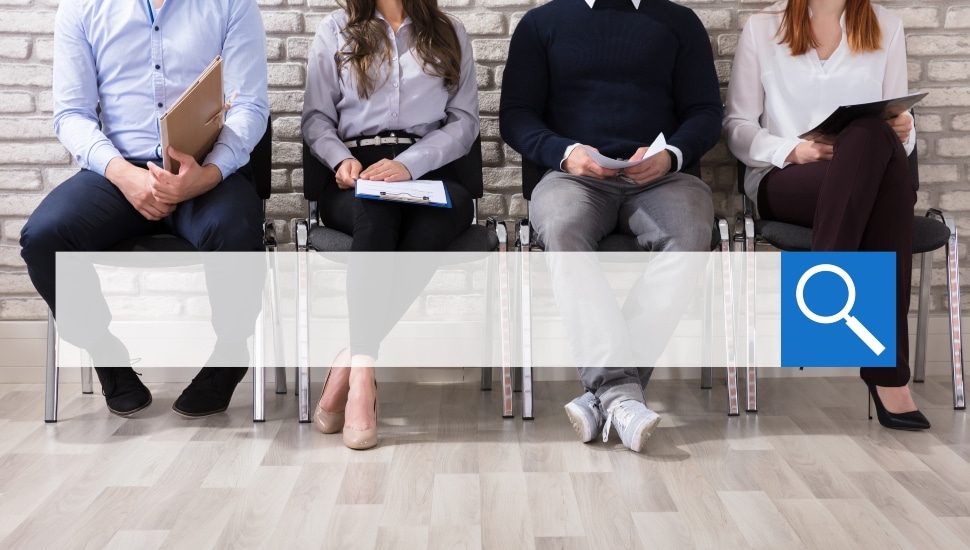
column 477, row 238
column 928, row 234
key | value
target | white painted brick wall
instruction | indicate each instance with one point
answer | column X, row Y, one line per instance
column 32, row 161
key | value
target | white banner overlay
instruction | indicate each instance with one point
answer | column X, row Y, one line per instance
column 422, row 309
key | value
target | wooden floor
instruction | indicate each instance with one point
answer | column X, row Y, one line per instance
column 808, row 471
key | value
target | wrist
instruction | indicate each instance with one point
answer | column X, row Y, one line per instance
column 673, row 161
column 213, row 175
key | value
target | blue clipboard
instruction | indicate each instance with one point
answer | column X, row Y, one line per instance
column 405, row 197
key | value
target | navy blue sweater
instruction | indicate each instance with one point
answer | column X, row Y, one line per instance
column 612, row 77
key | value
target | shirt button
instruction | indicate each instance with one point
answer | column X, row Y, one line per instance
column 395, row 84
column 156, row 27
column 159, row 104
column 157, row 67
column 393, row 115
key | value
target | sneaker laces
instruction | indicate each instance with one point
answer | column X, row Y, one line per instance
column 622, row 417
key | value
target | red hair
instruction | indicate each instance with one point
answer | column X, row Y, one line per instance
column 860, row 24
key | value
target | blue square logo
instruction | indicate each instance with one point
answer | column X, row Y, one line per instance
column 838, row 309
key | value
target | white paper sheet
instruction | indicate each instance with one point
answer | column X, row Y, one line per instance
column 431, row 191
column 657, row 146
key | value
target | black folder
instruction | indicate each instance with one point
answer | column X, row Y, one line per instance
column 841, row 117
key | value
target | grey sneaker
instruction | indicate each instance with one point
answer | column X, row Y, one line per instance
column 634, row 421
column 586, row 416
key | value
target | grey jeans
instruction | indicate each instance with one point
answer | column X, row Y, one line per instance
column 572, row 214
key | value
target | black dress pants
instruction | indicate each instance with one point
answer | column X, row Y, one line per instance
column 862, row 199
column 87, row 213
column 381, row 287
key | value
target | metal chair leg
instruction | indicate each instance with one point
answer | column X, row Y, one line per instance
column 486, row 384
column 953, row 301
column 50, row 389
column 751, row 274
column 707, row 332
column 922, row 316
column 259, row 371
column 303, row 322
column 727, row 282
column 87, row 375
column 277, row 318
column 525, row 238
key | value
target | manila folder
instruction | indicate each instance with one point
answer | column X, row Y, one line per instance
column 192, row 124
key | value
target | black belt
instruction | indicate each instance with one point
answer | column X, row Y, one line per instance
column 380, row 140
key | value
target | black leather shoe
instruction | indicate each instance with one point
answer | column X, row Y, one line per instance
column 912, row 420
column 210, row 392
column 123, row 390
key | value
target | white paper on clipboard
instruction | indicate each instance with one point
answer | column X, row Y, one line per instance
column 419, row 191
column 657, row 146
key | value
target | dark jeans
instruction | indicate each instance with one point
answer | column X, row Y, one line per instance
column 87, row 213
column 381, row 287
column 862, row 199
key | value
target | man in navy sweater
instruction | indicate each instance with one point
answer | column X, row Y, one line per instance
column 612, row 75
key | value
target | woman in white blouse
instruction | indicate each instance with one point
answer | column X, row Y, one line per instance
column 796, row 62
column 400, row 70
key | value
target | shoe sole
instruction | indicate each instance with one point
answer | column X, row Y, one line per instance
column 577, row 419
column 184, row 414
column 641, row 442
column 125, row 414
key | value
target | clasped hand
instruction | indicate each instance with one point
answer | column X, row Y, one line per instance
column 350, row 170
column 191, row 181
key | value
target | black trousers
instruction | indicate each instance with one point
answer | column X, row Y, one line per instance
column 862, row 199
column 87, row 213
column 381, row 287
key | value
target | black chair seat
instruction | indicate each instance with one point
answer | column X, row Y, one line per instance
column 928, row 234
column 784, row 236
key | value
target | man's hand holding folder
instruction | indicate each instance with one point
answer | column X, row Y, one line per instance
column 191, row 180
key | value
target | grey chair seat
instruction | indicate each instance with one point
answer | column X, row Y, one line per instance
column 928, row 234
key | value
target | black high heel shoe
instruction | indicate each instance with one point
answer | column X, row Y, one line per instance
column 912, row 420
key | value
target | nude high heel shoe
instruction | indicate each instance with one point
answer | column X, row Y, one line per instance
column 366, row 438
column 325, row 421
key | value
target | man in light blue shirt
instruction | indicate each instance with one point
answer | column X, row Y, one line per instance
column 118, row 66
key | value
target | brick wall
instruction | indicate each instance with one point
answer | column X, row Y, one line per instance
column 32, row 161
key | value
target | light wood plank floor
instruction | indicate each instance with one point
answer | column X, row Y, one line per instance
column 808, row 471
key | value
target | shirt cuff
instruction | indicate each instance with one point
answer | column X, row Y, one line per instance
column 680, row 157
column 99, row 157
column 565, row 155
column 781, row 154
column 223, row 159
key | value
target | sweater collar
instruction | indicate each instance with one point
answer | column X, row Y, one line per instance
column 636, row 3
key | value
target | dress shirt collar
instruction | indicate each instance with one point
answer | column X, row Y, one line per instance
column 406, row 22
column 636, row 4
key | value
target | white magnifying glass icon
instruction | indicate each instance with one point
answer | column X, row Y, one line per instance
column 843, row 315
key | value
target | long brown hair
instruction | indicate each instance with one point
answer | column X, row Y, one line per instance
column 860, row 24
column 368, row 47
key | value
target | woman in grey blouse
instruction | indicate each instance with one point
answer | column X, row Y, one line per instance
column 403, row 71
